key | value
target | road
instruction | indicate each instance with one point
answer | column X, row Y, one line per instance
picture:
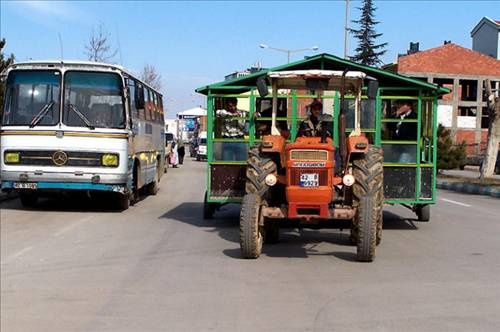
column 71, row 265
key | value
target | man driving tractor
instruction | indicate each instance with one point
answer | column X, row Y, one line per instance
column 312, row 125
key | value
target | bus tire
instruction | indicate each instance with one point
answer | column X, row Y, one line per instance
column 134, row 191
column 123, row 202
column 251, row 236
column 369, row 196
column 28, row 198
column 258, row 168
column 154, row 187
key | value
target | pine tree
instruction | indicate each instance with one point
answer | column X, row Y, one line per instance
column 4, row 63
column 449, row 156
column 367, row 52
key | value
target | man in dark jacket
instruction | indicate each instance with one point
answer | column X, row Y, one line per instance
column 405, row 131
column 181, row 152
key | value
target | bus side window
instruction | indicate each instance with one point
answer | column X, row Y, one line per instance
column 147, row 108
column 134, row 113
column 155, row 108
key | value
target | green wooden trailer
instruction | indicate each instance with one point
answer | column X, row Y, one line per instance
column 409, row 164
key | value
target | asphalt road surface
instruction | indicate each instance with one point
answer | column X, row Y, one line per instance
column 72, row 265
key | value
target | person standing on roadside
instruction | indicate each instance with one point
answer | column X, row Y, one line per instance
column 181, row 152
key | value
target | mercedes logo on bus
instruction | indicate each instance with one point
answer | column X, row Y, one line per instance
column 60, row 158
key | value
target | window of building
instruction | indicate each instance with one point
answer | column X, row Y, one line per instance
column 468, row 90
column 485, row 118
column 467, row 111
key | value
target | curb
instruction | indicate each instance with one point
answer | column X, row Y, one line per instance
column 468, row 188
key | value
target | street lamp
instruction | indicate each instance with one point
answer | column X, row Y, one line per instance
column 289, row 51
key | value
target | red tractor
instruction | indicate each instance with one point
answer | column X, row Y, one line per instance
column 310, row 181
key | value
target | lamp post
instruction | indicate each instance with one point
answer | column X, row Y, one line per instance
column 289, row 51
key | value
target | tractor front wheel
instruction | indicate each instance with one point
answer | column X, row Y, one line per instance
column 258, row 167
column 251, row 236
column 369, row 196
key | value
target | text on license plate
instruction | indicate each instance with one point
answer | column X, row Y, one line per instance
column 25, row 185
column 309, row 180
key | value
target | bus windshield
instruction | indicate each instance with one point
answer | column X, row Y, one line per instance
column 32, row 98
column 93, row 99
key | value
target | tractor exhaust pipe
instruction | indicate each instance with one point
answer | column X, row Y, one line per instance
column 342, row 124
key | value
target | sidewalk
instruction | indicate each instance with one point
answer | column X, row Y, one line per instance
column 467, row 181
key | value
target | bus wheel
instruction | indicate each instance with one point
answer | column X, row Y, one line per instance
column 123, row 201
column 153, row 186
column 28, row 198
column 134, row 191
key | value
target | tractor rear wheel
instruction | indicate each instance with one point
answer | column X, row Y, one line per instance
column 258, row 167
column 251, row 236
column 369, row 195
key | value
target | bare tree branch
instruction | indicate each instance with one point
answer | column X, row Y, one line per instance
column 99, row 47
column 151, row 76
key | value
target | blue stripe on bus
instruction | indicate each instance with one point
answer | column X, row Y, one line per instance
column 70, row 185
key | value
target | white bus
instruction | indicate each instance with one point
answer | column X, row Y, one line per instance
column 80, row 126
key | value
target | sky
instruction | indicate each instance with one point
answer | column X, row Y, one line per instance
column 196, row 43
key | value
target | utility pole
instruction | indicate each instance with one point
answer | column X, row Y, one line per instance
column 346, row 32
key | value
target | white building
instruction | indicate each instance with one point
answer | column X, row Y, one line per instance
column 486, row 37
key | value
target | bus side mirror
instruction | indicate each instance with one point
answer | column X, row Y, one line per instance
column 139, row 97
column 371, row 89
column 262, row 84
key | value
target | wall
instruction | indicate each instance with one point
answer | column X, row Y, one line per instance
column 486, row 41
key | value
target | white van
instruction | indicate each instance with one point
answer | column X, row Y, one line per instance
column 201, row 146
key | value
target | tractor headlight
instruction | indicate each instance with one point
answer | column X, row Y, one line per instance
column 348, row 180
column 12, row 157
column 109, row 160
column 271, row 179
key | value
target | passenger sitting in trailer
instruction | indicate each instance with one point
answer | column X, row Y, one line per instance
column 231, row 128
column 312, row 126
column 263, row 127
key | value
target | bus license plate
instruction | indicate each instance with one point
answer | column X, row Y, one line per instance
column 25, row 185
column 309, row 180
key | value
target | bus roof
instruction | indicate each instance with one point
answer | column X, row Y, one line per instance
column 87, row 65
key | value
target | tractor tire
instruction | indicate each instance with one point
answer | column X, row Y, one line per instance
column 251, row 236
column 258, row 168
column 208, row 208
column 368, row 193
column 28, row 198
column 423, row 212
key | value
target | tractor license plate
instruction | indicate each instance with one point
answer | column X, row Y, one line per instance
column 309, row 180
column 25, row 185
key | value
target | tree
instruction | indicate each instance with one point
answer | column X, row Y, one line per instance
column 4, row 63
column 449, row 156
column 99, row 47
column 367, row 52
column 151, row 76
column 493, row 133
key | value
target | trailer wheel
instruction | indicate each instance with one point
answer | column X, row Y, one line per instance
column 208, row 208
column 423, row 212
column 28, row 198
column 251, row 236
column 258, row 168
column 368, row 194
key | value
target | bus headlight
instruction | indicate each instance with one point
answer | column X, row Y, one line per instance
column 12, row 157
column 109, row 159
